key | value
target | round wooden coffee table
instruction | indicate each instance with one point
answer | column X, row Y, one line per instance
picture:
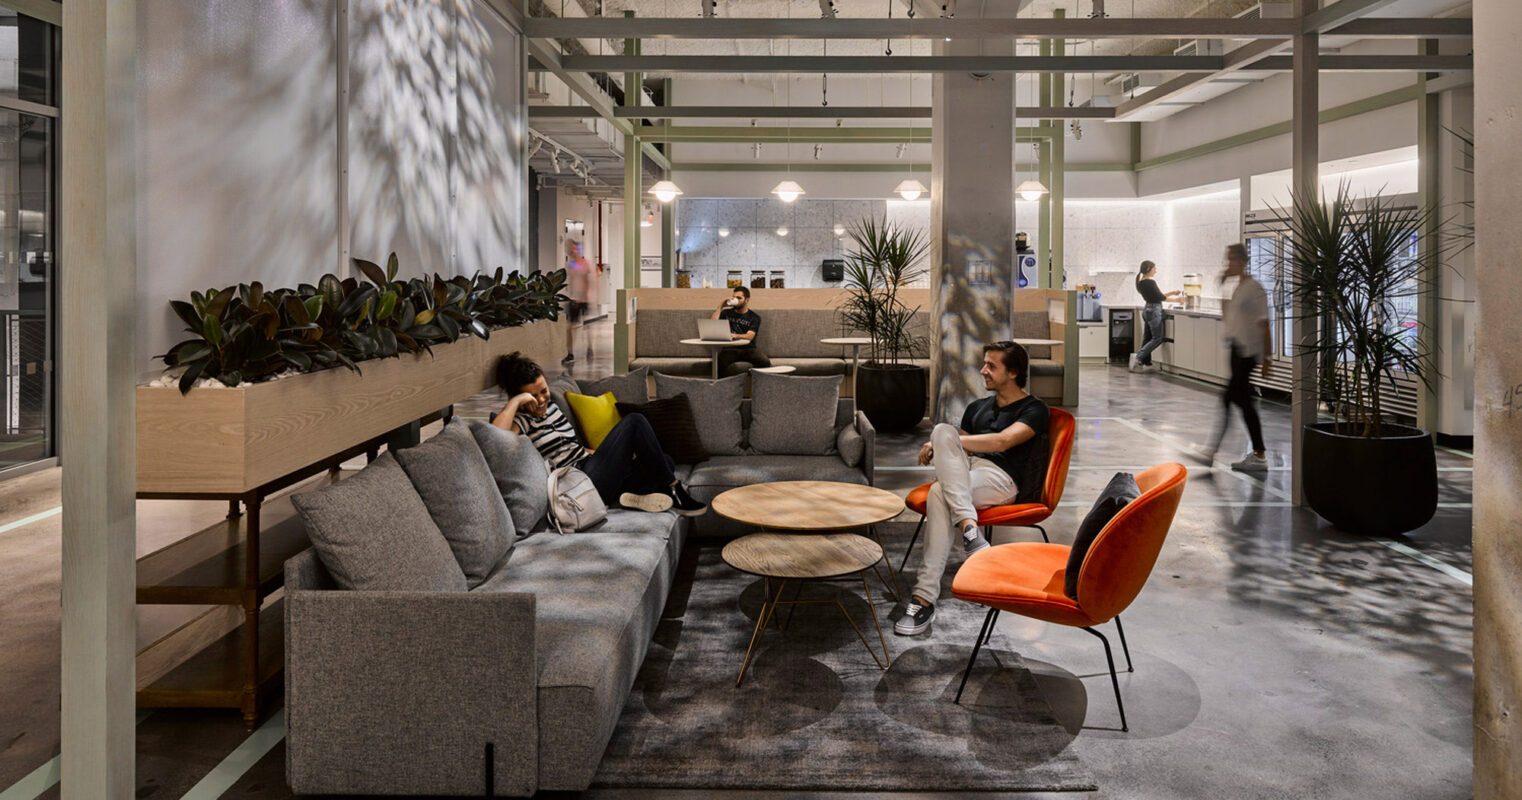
column 786, row 558
column 812, row 506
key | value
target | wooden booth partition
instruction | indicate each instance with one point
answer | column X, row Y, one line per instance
column 243, row 445
column 1061, row 307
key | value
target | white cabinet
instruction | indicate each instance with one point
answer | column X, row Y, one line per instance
column 1093, row 342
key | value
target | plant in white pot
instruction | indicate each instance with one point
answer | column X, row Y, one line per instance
column 1357, row 273
column 890, row 390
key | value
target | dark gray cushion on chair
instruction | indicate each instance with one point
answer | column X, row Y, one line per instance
column 451, row 475
column 793, row 415
column 850, row 445
column 632, row 387
column 715, row 408
column 373, row 532
column 1121, row 490
column 519, row 471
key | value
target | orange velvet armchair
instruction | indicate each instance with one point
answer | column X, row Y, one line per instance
column 1060, row 429
column 1027, row 578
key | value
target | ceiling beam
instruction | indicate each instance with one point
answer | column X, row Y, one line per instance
column 1339, row 13
column 546, row 58
column 800, row 112
column 1017, row 28
column 1201, row 69
column 892, row 64
column 737, row 134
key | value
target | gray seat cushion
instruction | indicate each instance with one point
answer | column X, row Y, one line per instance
column 373, row 533
column 638, row 523
column 813, row 366
column 726, row 472
column 1046, row 368
column 630, row 387
column 450, row 474
column 598, row 597
column 715, row 408
column 519, row 471
column 793, row 414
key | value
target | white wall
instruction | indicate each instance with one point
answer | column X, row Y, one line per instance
column 1106, row 241
column 238, row 123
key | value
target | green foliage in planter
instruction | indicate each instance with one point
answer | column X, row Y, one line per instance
column 246, row 333
column 1353, row 269
column 880, row 264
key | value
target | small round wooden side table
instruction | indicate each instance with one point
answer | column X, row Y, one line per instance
column 785, row 558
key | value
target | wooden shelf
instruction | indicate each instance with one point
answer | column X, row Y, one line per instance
column 214, row 677
column 220, row 578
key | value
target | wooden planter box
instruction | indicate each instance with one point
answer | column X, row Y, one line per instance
column 228, row 441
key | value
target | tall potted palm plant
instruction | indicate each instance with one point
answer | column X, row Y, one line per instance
column 1356, row 269
column 890, row 390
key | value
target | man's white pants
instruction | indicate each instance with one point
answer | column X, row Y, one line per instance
column 962, row 486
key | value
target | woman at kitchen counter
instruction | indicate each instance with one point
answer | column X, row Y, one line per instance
column 1152, row 314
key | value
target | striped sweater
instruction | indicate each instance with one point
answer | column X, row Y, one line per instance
column 552, row 436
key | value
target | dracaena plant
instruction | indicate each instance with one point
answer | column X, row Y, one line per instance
column 246, row 333
column 882, row 262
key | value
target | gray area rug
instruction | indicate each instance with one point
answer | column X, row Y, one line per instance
column 815, row 712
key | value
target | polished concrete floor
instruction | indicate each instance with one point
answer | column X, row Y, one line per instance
column 1275, row 657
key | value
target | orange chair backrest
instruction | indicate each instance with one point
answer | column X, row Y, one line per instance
column 1060, row 430
column 1118, row 563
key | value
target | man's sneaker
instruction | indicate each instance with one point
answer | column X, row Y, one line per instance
column 652, row 503
column 972, row 540
column 1252, row 462
column 570, row 358
column 684, row 503
column 1131, row 364
column 916, row 619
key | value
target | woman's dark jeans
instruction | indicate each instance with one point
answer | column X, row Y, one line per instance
column 630, row 459
column 1152, row 314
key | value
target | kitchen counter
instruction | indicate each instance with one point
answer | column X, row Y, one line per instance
column 1207, row 313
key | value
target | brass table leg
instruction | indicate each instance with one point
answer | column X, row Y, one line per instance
column 894, row 587
column 879, row 661
column 761, row 622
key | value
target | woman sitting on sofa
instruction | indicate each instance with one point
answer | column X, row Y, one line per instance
column 629, row 468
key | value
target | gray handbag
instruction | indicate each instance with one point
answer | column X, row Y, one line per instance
column 574, row 502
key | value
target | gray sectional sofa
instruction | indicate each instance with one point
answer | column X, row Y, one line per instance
column 432, row 649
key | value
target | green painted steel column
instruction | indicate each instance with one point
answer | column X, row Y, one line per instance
column 668, row 213
column 1044, row 174
column 1429, row 165
column 1058, row 186
column 633, row 160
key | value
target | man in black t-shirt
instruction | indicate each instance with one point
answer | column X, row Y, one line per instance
column 743, row 324
column 1006, row 435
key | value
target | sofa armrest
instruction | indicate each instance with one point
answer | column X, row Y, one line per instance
column 408, row 692
column 869, row 441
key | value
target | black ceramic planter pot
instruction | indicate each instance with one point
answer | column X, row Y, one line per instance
column 1371, row 486
column 892, row 396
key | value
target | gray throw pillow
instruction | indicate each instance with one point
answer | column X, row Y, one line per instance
column 373, row 532
column 451, row 475
column 630, row 388
column 558, row 389
column 793, row 415
column 851, row 445
column 520, row 473
column 715, row 409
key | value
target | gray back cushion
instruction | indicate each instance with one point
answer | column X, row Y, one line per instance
column 793, row 415
column 715, row 409
column 659, row 332
column 519, row 471
column 451, row 475
column 632, row 387
column 559, row 386
column 1030, row 325
column 373, row 532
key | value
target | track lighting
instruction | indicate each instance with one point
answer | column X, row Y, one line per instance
column 827, row 9
column 710, row 8
column 948, row 9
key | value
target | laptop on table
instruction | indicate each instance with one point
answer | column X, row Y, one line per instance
column 714, row 330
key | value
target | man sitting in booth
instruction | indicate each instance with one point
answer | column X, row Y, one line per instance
column 743, row 324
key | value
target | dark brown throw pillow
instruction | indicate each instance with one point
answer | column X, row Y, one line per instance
column 672, row 421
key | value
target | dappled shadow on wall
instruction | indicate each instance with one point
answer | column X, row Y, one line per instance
column 434, row 135
column 973, row 309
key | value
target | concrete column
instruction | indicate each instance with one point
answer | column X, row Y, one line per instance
column 633, row 204
column 971, row 224
column 98, row 305
column 1306, row 183
column 1498, row 403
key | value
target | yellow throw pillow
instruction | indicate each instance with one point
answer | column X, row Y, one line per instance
column 595, row 415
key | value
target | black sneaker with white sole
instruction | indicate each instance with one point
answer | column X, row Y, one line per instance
column 650, row 503
column 972, row 540
column 916, row 619
column 685, row 504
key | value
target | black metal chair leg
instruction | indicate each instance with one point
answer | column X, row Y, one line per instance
column 910, row 548
column 1123, row 646
column 1044, row 537
column 976, row 646
column 1114, row 679
column 990, row 635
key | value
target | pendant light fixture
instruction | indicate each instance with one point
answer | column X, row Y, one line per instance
column 665, row 191
column 910, row 189
column 788, row 190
